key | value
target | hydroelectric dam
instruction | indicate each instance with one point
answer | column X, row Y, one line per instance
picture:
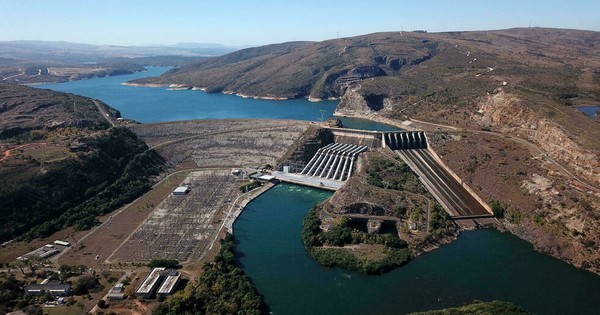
column 332, row 165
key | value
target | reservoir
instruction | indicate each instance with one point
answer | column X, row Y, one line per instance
column 590, row 111
column 148, row 105
column 484, row 264
column 481, row 265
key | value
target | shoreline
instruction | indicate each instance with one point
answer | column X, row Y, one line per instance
column 79, row 79
column 241, row 205
column 406, row 125
column 186, row 87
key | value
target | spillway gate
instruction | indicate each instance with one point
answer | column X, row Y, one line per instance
column 405, row 140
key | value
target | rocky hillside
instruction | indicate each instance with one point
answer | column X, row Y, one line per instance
column 23, row 109
column 302, row 69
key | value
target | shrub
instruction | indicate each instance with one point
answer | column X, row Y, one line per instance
column 497, row 209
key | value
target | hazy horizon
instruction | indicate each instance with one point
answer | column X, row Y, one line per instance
column 250, row 23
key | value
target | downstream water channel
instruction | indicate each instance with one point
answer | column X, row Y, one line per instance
column 482, row 265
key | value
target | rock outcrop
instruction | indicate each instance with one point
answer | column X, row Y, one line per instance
column 505, row 112
column 308, row 145
column 354, row 103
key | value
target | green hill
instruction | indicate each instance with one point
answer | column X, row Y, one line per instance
column 63, row 164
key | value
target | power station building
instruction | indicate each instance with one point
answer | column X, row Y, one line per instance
column 161, row 279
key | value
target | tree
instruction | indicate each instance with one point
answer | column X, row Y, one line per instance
column 167, row 263
column 84, row 284
column 497, row 209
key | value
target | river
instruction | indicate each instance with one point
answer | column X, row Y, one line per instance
column 483, row 264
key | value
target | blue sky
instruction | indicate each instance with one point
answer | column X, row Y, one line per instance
column 254, row 22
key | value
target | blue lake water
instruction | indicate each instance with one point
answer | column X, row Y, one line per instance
column 590, row 111
column 483, row 265
column 146, row 104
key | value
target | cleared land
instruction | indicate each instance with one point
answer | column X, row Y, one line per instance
column 222, row 143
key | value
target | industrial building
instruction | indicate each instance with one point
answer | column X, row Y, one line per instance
column 117, row 292
column 165, row 280
column 53, row 288
column 181, row 190
column 41, row 253
column 170, row 284
column 62, row 243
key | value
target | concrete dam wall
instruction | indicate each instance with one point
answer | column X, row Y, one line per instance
column 405, row 140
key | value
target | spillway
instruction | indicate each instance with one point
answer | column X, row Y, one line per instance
column 405, row 140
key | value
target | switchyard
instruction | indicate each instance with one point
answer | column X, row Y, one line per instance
column 182, row 226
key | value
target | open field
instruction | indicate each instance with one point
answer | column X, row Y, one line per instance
column 182, row 227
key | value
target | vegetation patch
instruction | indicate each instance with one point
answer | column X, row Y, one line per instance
column 165, row 263
column 115, row 170
column 478, row 307
column 222, row 288
column 328, row 247
column 393, row 174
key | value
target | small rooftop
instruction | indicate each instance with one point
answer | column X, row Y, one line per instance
column 181, row 190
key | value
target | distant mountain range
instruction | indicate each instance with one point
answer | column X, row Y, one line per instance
column 28, row 62
column 76, row 52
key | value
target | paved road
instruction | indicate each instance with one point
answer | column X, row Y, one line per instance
column 450, row 193
column 104, row 113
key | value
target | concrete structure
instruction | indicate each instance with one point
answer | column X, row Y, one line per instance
column 53, row 288
column 170, row 284
column 458, row 202
column 371, row 139
column 116, row 292
column 62, row 243
column 150, row 283
column 304, row 180
column 328, row 169
column 181, row 190
column 165, row 280
column 335, row 161
column 403, row 140
column 332, row 165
